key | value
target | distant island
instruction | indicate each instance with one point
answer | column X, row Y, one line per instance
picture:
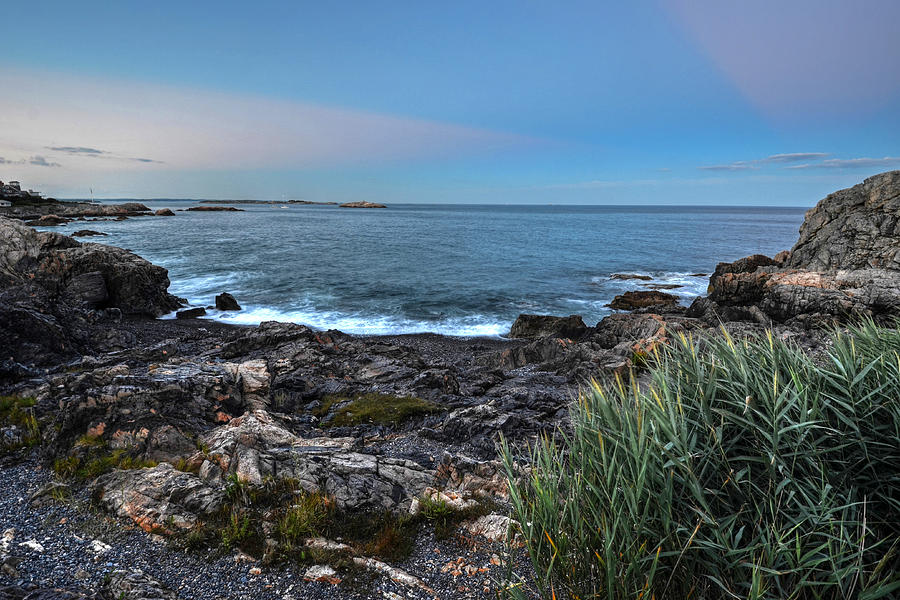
column 267, row 202
column 362, row 205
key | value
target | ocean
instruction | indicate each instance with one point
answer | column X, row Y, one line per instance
column 452, row 269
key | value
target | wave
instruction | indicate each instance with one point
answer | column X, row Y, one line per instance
column 358, row 324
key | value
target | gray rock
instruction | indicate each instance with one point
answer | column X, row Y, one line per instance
column 538, row 326
column 226, row 301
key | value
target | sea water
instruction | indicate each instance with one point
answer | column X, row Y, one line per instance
column 452, row 269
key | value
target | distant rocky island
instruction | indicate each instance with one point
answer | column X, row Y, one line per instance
column 297, row 457
column 302, row 202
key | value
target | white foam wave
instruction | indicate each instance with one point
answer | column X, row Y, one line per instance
column 472, row 326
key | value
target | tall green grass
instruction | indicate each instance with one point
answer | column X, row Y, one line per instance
column 744, row 469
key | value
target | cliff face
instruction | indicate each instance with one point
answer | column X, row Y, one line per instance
column 846, row 264
column 855, row 228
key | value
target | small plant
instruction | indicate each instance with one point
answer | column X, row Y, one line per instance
column 306, row 517
column 374, row 408
column 237, row 529
column 18, row 413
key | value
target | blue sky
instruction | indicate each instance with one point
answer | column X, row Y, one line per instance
column 774, row 103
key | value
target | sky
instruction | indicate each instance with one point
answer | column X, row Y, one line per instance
column 657, row 102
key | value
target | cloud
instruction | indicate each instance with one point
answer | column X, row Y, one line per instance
column 795, row 157
column 40, row 161
column 773, row 159
column 851, row 163
column 77, row 150
column 142, row 126
column 37, row 160
column 740, row 165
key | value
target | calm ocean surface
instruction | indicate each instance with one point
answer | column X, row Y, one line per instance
column 451, row 269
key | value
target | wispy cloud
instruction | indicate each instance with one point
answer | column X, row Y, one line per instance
column 37, row 161
column 773, row 159
column 735, row 166
column 851, row 163
column 794, row 157
column 77, row 150
column 40, row 161
column 109, row 125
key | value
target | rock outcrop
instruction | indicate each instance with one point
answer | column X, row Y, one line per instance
column 642, row 299
column 52, row 287
column 538, row 326
column 845, row 265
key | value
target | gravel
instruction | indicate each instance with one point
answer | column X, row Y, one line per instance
column 63, row 544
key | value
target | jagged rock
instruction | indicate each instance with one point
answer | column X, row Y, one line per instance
column 854, row 228
column 226, row 301
column 159, row 499
column 191, row 313
column 538, row 326
column 642, row 299
column 87, row 289
column 255, row 446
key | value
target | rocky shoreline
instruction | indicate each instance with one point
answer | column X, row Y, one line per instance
column 196, row 433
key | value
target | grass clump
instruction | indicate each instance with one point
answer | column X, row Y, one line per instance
column 745, row 469
column 18, row 414
column 94, row 458
column 374, row 408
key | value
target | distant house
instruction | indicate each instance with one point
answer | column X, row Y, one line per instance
column 5, row 203
column 14, row 184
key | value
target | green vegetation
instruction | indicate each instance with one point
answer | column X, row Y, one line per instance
column 19, row 413
column 94, row 458
column 744, row 469
column 375, row 408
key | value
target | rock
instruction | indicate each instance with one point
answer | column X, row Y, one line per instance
column 626, row 276
column 845, row 265
column 852, row 229
column 642, row 299
column 87, row 289
column 48, row 492
column 164, row 212
column 226, row 301
column 88, row 233
column 494, row 527
column 362, row 205
column 538, row 326
column 135, row 585
column 159, row 499
column 191, row 313
column 215, row 209
column 48, row 221
column 322, row 574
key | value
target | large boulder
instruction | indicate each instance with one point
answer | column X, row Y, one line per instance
column 226, row 301
column 845, row 265
column 642, row 299
column 538, row 326
column 855, row 228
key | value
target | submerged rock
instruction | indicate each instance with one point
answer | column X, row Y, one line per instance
column 164, row 212
column 191, row 313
